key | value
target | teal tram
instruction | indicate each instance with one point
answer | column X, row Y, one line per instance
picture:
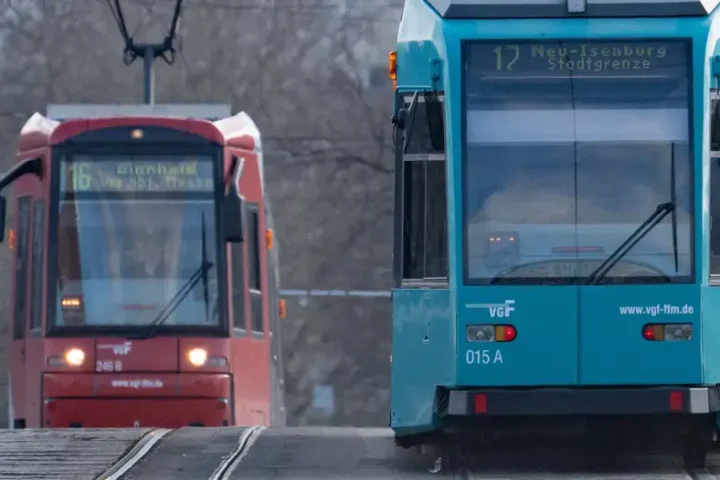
column 557, row 234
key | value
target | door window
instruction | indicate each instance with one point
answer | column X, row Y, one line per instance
column 21, row 268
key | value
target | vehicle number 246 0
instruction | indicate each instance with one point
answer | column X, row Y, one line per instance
column 483, row 357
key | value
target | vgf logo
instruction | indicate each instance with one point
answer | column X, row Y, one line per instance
column 118, row 349
column 496, row 310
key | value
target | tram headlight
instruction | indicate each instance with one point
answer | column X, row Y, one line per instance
column 491, row 333
column 480, row 333
column 198, row 357
column 677, row 332
column 74, row 357
column 673, row 332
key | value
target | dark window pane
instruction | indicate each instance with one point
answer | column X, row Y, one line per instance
column 414, row 219
column 21, row 268
column 254, row 251
column 436, row 253
column 38, row 251
column 238, row 285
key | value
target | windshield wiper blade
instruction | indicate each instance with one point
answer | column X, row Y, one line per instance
column 204, row 271
column 175, row 301
column 673, row 197
column 655, row 218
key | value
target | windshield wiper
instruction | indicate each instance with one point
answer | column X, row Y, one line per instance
column 204, row 271
column 175, row 301
column 657, row 216
column 673, row 197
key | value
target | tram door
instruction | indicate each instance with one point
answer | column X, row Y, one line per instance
column 28, row 245
column 18, row 244
column 34, row 342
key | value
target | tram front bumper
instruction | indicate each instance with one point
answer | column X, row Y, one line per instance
column 585, row 401
column 136, row 400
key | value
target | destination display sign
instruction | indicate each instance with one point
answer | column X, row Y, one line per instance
column 87, row 174
column 586, row 58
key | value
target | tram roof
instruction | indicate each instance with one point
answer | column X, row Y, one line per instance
column 209, row 112
column 64, row 121
column 478, row 9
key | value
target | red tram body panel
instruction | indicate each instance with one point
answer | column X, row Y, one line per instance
column 145, row 282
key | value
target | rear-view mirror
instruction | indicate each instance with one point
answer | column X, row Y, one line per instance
column 233, row 217
column 3, row 205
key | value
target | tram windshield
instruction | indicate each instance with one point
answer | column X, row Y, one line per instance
column 570, row 146
column 131, row 232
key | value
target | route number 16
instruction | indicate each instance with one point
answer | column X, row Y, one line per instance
column 512, row 56
column 81, row 179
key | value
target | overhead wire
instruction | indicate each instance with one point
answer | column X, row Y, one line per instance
column 185, row 63
column 295, row 9
column 149, row 10
column 131, row 51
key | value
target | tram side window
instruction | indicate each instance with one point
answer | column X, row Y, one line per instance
column 238, row 285
column 715, row 186
column 715, row 217
column 37, row 264
column 21, row 268
column 425, row 248
column 255, row 286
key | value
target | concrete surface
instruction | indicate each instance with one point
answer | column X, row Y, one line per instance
column 72, row 454
column 308, row 453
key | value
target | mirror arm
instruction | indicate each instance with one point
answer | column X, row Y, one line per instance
column 231, row 172
column 33, row 166
column 3, row 214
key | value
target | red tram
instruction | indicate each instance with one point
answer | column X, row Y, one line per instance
column 145, row 287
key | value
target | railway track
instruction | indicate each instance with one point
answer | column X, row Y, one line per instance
column 235, row 453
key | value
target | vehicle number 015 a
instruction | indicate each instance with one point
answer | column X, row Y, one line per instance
column 108, row 366
column 483, row 357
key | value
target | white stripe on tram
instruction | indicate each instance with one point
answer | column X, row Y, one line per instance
column 336, row 293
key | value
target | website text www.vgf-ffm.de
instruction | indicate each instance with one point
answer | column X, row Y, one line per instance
column 657, row 309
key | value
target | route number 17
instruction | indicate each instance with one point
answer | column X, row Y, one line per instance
column 512, row 54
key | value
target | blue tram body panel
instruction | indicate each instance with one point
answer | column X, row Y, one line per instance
column 571, row 335
column 613, row 351
column 423, row 349
column 545, row 351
